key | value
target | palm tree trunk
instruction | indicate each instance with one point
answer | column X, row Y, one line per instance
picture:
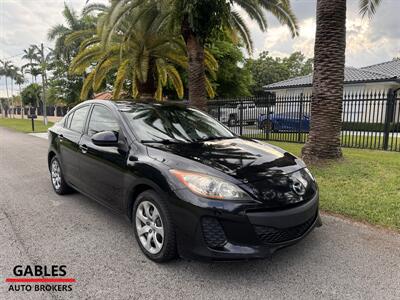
column 326, row 106
column 3, row 112
column 31, row 69
column 12, row 98
column 197, row 74
column 8, row 97
column 147, row 89
column 22, row 104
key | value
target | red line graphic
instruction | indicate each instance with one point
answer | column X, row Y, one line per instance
column 48, row 280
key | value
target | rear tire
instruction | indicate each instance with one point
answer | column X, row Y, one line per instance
column 58, row 182
column 268, row 126
column 154, row 228
column 231, row 122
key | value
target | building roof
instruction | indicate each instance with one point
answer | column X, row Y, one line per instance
column 103, row 96
column 389, row 68
column 387, row 71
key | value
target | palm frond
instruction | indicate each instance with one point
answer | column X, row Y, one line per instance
column 56, row 31
column 87, row 85
column 254, row 10
column 106, row 64
column 121, row 76
column 70, row 16
column 243, row 31
column 282, row 10
column 368, row 7
column 94, row 7
column 176, row 80
column 78, row 35
column 83, row 60
column 209, row 88
column 159, row 91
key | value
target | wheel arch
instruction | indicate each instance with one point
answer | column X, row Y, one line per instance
column 50, row 157
column 137, row 190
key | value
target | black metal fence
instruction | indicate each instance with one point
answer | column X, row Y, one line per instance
column 370, row 119
column 58, row 111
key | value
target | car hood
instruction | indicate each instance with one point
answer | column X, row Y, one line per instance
column 245, row 160
column 266, row 172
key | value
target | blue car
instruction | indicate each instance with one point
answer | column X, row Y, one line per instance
column 284, row 122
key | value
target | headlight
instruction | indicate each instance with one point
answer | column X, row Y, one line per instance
column 309, row 174
column 209, row 186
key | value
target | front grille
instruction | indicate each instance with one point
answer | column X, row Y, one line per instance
column 269, row 235
column 213, row 232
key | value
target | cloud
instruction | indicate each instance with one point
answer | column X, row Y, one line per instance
column 26, row 22
column 368, row 41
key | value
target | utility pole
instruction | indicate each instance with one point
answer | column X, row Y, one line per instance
column 43, row 83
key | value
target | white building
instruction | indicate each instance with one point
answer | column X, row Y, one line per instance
column 368, row 83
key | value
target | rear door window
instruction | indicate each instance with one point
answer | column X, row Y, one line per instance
column 78, row 119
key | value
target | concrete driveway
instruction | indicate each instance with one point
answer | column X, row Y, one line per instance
column 341, row 260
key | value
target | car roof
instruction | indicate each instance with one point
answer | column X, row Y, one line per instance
column 129, row 104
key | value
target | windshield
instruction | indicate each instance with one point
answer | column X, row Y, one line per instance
column 173, row 123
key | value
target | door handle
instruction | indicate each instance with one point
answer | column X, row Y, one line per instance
column 60, row 137
column 133, row 158
column 83, row 148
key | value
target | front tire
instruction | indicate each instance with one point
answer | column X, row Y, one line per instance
column 58, row 182
column 153, row 226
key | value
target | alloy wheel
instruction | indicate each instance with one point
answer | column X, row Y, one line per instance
column 56, row 174
column 149, row 227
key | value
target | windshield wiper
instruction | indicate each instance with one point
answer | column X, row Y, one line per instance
column 213, row 138
column 164, row 142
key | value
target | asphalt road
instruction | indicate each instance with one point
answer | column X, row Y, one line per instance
column 340, row 260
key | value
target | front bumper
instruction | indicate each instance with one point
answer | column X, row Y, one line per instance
column 247, row 232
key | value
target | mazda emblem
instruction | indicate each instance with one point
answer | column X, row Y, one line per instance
column 298, row 187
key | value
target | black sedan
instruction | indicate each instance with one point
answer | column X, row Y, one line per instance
column 189, row 186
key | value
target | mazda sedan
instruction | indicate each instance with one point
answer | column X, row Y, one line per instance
column 189, row 186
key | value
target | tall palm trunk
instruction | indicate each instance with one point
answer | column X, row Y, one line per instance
column 147, row 89
column 3, row 107
column 12, row 98
column 8, row 97
column 22, row 104
column 197, row 75
column 31, row 62
column 326, row 106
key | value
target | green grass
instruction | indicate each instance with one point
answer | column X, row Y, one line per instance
column 358, row 140
column 24, row 125
column 364, row 186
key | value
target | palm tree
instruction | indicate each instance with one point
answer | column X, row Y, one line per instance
column 81, row 26
column 43, row 61
column 197, row 20
column 329, row 59
column 30, row 55
column 7, row 73
column 20, row 80
column 3, row 73
column 13, row 70
column 143, row 56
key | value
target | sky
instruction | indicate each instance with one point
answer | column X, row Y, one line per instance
column 26, row 22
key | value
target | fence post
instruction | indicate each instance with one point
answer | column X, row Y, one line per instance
column 241, row 118
column 388, row 118
column 268, row 103
column 301, row 116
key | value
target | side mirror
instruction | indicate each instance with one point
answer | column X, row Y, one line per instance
column 105, row 139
